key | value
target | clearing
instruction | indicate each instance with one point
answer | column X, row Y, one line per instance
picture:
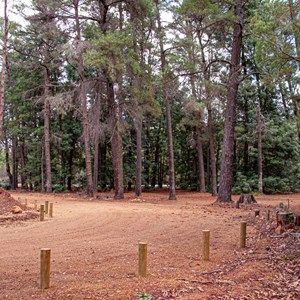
column 94, row 249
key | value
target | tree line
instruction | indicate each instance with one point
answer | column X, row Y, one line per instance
column 120, row 94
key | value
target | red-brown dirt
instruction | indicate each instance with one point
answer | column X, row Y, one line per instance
column 94, row 249
column 7, row 203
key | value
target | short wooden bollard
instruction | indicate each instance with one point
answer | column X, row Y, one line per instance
column 45, row 268
column 143, row 259
column 26, row 202
column 205, row 249
column 46, row 207
column 42, row 212
column 268, row 215
column 51, row 210
column 35, row 204
column 243, row 234
column 256, row 213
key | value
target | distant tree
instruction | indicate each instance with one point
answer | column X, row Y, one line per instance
column 166, row 97
column 259, row 150
column 4, row 58
column 83, row 101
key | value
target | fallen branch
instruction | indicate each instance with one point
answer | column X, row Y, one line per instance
column 195, row 281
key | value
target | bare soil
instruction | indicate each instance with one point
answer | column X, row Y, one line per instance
column 94, row 249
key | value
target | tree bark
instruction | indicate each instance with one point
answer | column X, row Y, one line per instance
column 226, row 177
column 213, row 161
column 172, row 185
column 4, row 50
column 206, row 75
column 85, row 117
column 199, row 116
column 116, row 137
column 15, row 162
column 96, row 162
column 10, row 176
column 283, row 98
column 47, row 131
column 155, row 169
column 103, row 163
column 200, row 160
column 138, row 170
column 96, row 109
column 259, row 150
column 246, row 120
column 23, row 162
column 70, row 167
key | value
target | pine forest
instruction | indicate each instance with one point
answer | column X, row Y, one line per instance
column 134, row 95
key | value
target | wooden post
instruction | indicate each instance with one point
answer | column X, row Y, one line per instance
column 143, row 259
column 26, row 202
column 243, row 234
column 46, row 207
column 256, row 213
column 51, row 210
column 45, row 268
column 288, row 206
column 35, row 204
column 205, row 249
column 42, row 212
column 268, row 215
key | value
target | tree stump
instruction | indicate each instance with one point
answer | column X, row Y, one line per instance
column 285, row 220
column 245, row 199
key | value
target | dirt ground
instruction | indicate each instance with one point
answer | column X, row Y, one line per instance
column 94, row 249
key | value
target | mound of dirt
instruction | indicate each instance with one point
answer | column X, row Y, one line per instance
column 8, row 203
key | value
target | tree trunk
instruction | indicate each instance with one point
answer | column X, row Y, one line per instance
column 10, row 176
column 116, row 137
column 4, row 50
column 226, row 178
column 283, row 98
column 138, row 170
column 155, row 168
column 208, row 166
column 295, row 28
column 295, row 105
column 86, row 138
column 85, row 117
column 96, row 110
column 161, row 172
column 15, row 162
column 96, row 162
column 200, row 160
column 42, row 181
column 172, row 185
column 70, row 168
column 102, row 163
column 47, row 131
column 147, row 159
column 259, row 150
column 23, row 162
column 213, row 161
column 200, row 118
column 246, row 120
